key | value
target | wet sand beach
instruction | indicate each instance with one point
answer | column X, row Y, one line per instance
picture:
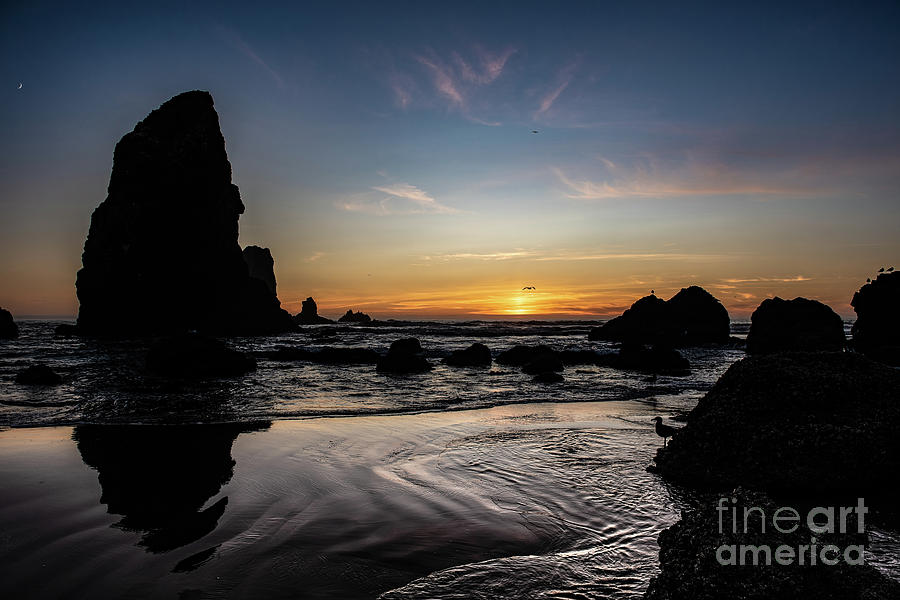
column 546, row 500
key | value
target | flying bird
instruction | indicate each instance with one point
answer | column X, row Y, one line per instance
column 664, row 431
column 529, row 287
column 535, row 131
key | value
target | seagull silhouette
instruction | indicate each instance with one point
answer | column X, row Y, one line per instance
column 529, row 287
column 535, row 131
column 664, row 431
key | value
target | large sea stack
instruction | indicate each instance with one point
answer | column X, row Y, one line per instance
column 162, row 253
column 691, row 317
column 876, row 332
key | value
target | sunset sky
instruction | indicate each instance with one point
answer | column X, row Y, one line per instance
column 384, row 150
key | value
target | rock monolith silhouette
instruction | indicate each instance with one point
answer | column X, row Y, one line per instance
column 162, row 253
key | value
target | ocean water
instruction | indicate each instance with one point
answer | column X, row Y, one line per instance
column 317, row 481
column 104, row 381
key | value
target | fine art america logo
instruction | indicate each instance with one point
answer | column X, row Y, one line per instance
column 785, row 520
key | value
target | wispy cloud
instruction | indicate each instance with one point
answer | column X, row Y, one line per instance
column 793, row 279
column 566, row 255
column 490, row 256
column 396, row 199
column 238, row 42
column 443, row 80
column 563, row 80
column 314, row 257
column 649, row 180
column 491, row 65
column 456, row 79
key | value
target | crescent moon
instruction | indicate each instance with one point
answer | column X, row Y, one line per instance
column 20, row 87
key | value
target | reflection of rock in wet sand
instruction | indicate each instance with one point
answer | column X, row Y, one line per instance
column 158, row 477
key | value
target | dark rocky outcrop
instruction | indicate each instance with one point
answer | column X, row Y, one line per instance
column 476, row 355
column 196, row 356
column 690, row 568
column 309, row 314
column 404, row 356
column 328, row 355
column 162, row 253
column 690, row 317
column 544, row 363
column 647, row 321
column 355, row 317
column 701, row 318
column 653, row 359
column 876, row 332
column 794, row 325
column 800, row 423
column 8, row 327
column 38, row 374
column 261, row 265
column 548, row 377
column 519, row 356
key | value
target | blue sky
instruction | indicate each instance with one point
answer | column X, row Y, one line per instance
column 384, row 150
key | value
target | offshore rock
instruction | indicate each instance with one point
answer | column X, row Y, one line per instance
column 876, row 332
column 476, row 355
column 794, row 325
column 8, row 327
column 691, row 317
column 38, row 374
column 355, row 317
column 162, row 253
column 404, row 356
column 309, row 314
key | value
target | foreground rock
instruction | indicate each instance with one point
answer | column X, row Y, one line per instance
column 690, row 568
column 328, row 355
column 162, row 253
column 309, row 314
column 800, row 325
column 196, row 356
column 876, row 332
column 8, row 327
column 800, row 423
column 692, row 316
column 476, row 355
column 404, row 356
column 39, row 374
column 355, row 317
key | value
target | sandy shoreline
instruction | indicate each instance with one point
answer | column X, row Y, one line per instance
column 336, row 507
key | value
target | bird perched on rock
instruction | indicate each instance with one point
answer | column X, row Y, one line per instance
column 890, row 269
column 881, row 270
column 664, row 431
